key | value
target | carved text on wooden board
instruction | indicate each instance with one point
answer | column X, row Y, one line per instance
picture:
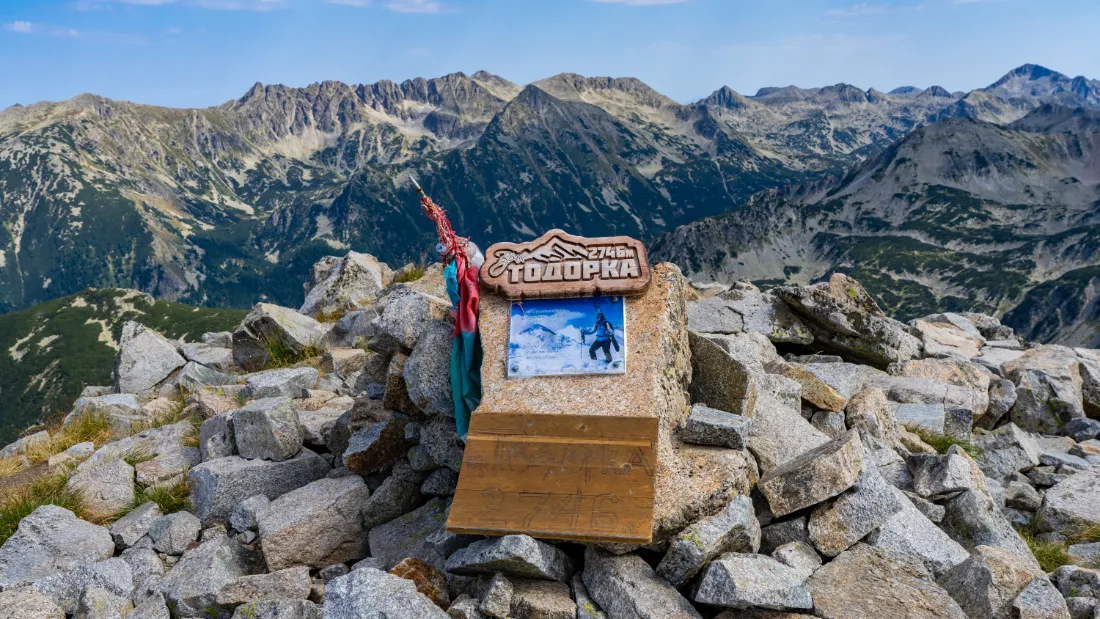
column 578, row 477
column 560, row 265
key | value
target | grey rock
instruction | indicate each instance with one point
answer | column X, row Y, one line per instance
column 930, row 510
column 168, row 468
column 393, row 498
column 1006, row 450
column 543, row 599
column 441, row 440
column 216, row 438
column 377, row 445
column 835, row 526
column 268, row 429
column 64, row 588
column 440, row 482
column 709, row 426
column 1082, row 429
column 625, row 586
column 420, row 459
column 1002, row 396
column 371, row 562
column 368, row 593
column 817, row 475
column 106, row 487
column 1073, row 504
column 50, row 540
column 144, row 359
column 217, row 486
column 714, row 315
column 587, row 608
column 1048, row 388
column 172, row 534
column 512, row 555
column 223, row 339
column 748, row 580
column 271, row 323
column 353, row 329
column 22, row 444
column 420, row 534
column 26, row 603
column 865, row 581
column 126, row 531
column 733, row 529
column 1078, row 607
column 335, row 570
column 218, row 357
column 799, row 555
column 1021, row 495
column 783, row 532
column 936, row 475
column 973, row 519
column 1085, row 554
column 426, row 373
column 407, row 315
column 778, row 433
column 464, row 607
column 288, row 584
column 986, row 584
column 316, row 525
column 122, row 410
column 245, row 514
column 843, row 318
column 278, row 609
column 719, row 379
column 829, row 423
column 192, row 585
column 1074, row 581
column 281, row 383
column 96, row 603
column 1040, row 600
column 496, row 602
column 146, row 568
column 345, row 283
column 317, row 424
column 911, row 532
column 195, row 376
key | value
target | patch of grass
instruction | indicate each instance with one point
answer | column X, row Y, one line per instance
column 411, row 275
column 279, row 355
column 90, row 426
column 1050, row 555
column 941, row 443
column 135, row 456
column 1087, row 535
column 46, row 490
column 332, row 316
column 10, row 466
column 170, row 499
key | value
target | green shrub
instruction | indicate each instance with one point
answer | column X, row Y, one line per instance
column 279, row 355
column 411, row 275
column 170, row 499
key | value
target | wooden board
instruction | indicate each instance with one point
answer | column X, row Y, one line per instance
column 560, row 265
column 577, row 477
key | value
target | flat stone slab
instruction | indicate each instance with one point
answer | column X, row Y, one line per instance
column 748, row 580
column 817, row 475
column 512, row 555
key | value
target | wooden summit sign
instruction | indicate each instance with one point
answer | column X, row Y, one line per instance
column 561, row 265
column 578, row 477
column 569, row 455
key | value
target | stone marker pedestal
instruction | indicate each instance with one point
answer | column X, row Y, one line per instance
column 593, row 458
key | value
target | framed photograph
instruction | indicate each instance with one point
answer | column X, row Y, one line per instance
column 557, row 337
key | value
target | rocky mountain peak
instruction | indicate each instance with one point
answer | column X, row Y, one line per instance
column 906, row 91
column 937, row 91
column 726, row 97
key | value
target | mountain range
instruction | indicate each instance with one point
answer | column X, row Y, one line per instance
column 227, row 205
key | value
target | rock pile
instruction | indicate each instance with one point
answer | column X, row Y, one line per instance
column 884, row 471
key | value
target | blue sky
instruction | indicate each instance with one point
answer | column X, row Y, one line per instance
column 192, row 53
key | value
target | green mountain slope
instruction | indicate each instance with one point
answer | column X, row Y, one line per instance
column 50, row 352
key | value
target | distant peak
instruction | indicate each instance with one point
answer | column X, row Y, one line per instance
column 725, row 97
column 936, row 91
column 905, row 90
column 1029, row 72
column 256, row 90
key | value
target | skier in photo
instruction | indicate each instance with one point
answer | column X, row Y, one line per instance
column 604, row 333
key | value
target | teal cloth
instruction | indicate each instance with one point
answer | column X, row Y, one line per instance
column 466, row 356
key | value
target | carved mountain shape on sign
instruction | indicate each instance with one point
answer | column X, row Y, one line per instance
column 561, row 265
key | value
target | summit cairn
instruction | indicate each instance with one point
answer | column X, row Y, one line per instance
column 718, row 451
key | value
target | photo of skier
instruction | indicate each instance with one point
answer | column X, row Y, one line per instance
column 605, row 335
column 552, row 337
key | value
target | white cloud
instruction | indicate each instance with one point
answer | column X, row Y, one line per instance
column 862, row 8
column 641, row 2
column 22, row 27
